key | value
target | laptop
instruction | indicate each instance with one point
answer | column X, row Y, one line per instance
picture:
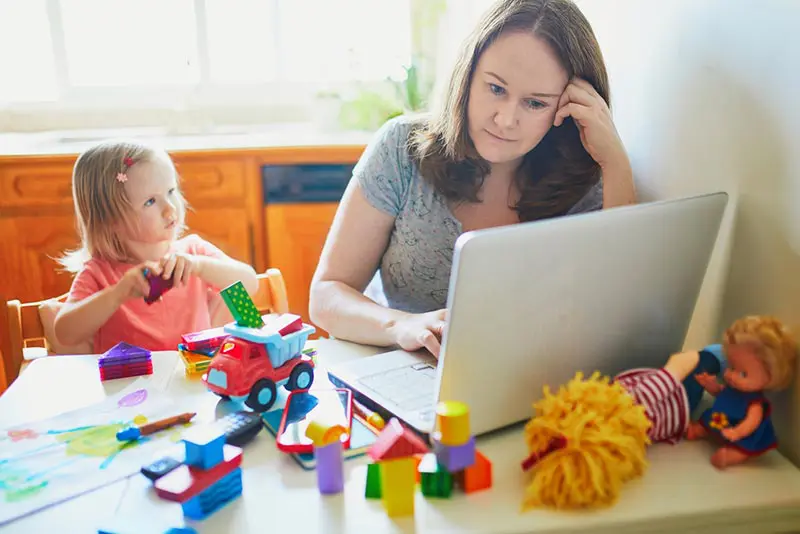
column 531, row 304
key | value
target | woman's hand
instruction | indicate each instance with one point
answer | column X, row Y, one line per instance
column 593, row 118
column 180, row 267
column 423, row 330
column 134, row 284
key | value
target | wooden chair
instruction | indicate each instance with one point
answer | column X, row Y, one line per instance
column 25, row 327
column 25, row 330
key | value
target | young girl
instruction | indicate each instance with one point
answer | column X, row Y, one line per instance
column 130, row 216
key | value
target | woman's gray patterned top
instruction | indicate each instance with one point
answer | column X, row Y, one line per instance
column 415, row 269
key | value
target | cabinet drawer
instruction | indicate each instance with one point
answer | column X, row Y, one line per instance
column 209, row 181
column 36, row 184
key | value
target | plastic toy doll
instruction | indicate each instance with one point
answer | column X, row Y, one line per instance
column 761, row 354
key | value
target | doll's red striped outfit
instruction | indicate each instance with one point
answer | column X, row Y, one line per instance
column 664, row 400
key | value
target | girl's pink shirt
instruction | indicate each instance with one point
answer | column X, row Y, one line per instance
column 157, row 326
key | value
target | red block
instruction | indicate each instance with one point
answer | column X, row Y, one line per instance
column 204, row 339
column 185, row 482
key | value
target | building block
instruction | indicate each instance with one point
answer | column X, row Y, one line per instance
column 396, row 441
column 184, row 482
column 204, row 446
column 417, row 460
column 330, row 468
column 241, row 306
column 284, row 323
column 208, row 339
column 398, row 485
column 124, row 360
column 195, row 363
column 324, row 433
column 476, row 477
column 158, row 286
column 436, row 481
column 452, row 422
column 214, row 496
column 454, row 457
column 373, row 486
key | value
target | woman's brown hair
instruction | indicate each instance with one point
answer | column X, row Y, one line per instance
column 558, row 172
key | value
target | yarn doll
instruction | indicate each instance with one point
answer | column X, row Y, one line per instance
column 761, row 354
column 585, row 441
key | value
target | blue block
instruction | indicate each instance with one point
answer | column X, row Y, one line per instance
column 214, row 497
column 455, row 457
column 204, row 447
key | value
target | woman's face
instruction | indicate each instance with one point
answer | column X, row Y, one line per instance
column 513, row 97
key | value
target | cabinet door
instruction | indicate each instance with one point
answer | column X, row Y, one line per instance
column 295, row 236
column 31, row 243
column 227, row 228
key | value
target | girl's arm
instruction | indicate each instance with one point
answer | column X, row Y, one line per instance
column 224, row 272
column 77, row 322
column 755, row 413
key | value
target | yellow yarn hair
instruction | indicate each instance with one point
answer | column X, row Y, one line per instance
column 606, row 442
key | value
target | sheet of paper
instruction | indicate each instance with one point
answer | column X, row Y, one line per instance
column 49, row 461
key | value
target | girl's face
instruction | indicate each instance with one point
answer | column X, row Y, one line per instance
column 157, row 206
column 513, row 97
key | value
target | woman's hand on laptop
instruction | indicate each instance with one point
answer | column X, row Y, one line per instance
column 420, row 330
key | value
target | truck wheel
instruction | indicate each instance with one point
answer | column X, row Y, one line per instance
column 301, row 378
column 262, row 395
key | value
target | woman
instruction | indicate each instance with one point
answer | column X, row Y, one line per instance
column 524, row 133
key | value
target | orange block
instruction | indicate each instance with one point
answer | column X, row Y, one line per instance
column 476, row 477
column 417, row 460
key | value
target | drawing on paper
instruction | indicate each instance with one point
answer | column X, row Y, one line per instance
column 47, row 462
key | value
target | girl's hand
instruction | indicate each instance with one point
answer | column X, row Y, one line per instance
column 180, row 267
column 133, row 283
column 423, row 330
column 593, row 118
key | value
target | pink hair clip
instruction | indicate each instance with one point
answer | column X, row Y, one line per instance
column 127, row 163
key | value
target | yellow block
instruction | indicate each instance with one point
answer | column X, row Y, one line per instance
column 452, row 422
column 322, row 433
column 398, row 485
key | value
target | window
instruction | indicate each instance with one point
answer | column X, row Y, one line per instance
column 191, row 54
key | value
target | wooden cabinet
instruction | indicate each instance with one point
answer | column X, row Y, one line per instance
column 297, row 234
column 37, row 225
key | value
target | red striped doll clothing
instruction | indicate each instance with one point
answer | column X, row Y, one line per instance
column 664, row 400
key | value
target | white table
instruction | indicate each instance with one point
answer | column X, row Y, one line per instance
column 680, row 490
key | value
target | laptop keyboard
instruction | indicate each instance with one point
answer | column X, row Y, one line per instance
column 410, row 388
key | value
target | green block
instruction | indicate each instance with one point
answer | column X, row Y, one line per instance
column 435, row 480
column 241, row 306
column 373, row 489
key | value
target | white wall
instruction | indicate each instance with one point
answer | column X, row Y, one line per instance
column 706, row 95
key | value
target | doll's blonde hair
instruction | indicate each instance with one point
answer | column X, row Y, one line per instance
column 776, row 344
column 604, row 436
column 102, row 206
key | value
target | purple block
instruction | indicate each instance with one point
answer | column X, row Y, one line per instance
column 124, row 350
column 158, row 286
column 124, row 361
column 330, row 468
column 455, row 457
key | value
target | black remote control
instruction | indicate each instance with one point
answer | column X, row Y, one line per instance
column 159, row 468
column 240, row 427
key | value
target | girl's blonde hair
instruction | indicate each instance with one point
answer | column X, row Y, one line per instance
column 102, row 206
column 776, row 346
column 585, row 441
